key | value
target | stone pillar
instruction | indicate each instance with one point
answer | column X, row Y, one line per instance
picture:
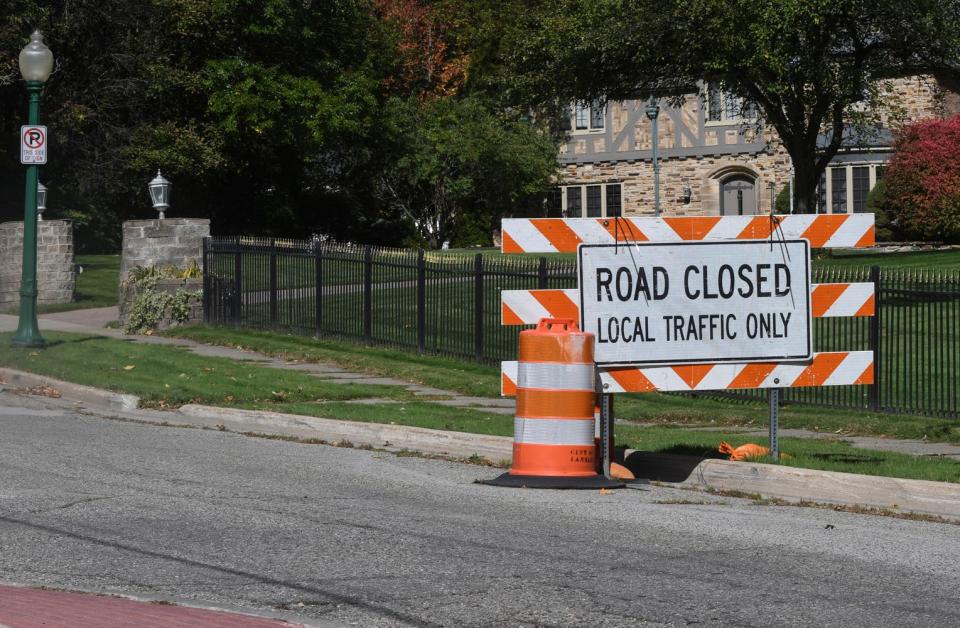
column 170, row 242
column 55, row 266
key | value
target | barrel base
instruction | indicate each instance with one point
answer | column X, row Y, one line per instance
column 540, row 481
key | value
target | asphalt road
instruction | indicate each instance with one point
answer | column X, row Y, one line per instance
column 339, row 536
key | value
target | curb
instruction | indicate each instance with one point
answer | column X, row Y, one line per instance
column 75, row 392
column 379, row 435
column 794, row 484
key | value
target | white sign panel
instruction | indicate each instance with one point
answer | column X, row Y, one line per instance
column 33, row 144
column 696, row 302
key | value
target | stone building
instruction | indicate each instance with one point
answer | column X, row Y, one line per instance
column 716, row 156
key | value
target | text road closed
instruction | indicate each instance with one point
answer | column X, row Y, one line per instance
column 696, row 302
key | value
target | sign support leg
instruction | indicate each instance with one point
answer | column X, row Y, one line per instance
column 606, row 432
column 773, row 395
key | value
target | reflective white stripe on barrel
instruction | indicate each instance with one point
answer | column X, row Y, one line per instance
column 555, row 376
column 553, row 431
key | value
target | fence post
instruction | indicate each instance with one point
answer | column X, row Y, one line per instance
column 367, row 293
column 875, row 339
column 318, row 287
column 478, row 306
column 237, row 281
column 421, row 302
column 205, row 297
column 542, row 274
column 273, row 281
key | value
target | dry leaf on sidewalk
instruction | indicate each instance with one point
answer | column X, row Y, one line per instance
column 46, row 391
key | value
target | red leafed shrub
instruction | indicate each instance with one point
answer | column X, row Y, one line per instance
column 923, row 179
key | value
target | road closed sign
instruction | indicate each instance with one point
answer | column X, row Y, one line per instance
column 697, row 302
column 33, row 144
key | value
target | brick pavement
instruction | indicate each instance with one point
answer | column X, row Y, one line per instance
column 28, row 608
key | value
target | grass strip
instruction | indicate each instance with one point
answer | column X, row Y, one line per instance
column 165, row 376
column 484, row 381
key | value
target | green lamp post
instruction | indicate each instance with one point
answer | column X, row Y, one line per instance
column 36, row 64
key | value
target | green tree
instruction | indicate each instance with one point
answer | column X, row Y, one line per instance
column 260, row 112
column 803, row 62
column 457, row 160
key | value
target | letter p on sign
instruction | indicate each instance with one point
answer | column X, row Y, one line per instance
column 33, row 145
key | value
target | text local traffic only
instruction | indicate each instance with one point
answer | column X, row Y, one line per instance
column 697, row 302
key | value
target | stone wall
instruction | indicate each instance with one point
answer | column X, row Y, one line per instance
column 170, row 242
column 55, row 267
column 701, row 174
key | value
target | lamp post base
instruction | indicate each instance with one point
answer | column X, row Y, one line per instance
column 28, row 343
column 28, row 331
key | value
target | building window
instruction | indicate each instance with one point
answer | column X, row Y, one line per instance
column 574, row 205
column 861, row 187
column 838, row 193
column 554, row 203
column 881, row 172
column 723, row 106
column 593, row 201
column 614, row 206
column 588, row 116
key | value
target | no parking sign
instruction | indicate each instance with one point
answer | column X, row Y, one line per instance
column 33, row 144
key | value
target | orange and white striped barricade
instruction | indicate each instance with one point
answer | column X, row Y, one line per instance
column 553, row 442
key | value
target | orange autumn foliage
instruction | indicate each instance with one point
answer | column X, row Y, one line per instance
column 431, row 65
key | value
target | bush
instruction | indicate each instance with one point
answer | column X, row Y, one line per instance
column 923, row 180
column 782, row 204
column 878, row 204
column 145, row 308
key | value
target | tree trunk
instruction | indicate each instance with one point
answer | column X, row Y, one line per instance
column 806, row 177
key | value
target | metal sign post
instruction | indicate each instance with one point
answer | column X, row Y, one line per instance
column 773, row 394
column 606, row 431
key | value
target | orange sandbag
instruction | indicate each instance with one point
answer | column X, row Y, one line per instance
column 743, row 452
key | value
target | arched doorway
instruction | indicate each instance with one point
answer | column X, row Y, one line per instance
column 738, row 196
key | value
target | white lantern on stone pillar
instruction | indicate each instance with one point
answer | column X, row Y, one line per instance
column 160, row 194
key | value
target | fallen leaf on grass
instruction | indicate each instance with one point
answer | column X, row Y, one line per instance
column 129, row 367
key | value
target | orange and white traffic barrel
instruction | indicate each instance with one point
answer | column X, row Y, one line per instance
column 554, row 424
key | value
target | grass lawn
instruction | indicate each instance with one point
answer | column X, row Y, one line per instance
column 166, row 376
column 927, row 260
column 479, row 380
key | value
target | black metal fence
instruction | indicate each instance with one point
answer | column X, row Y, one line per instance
column 449, row 304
